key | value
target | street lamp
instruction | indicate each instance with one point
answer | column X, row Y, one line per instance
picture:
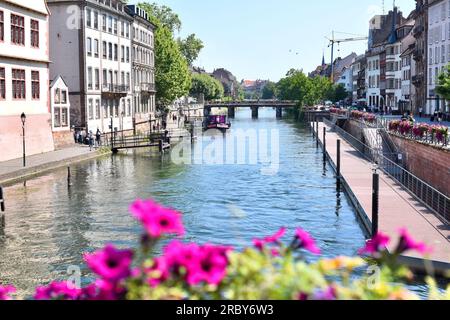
column 23, row 118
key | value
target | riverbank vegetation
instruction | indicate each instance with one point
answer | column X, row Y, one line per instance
column 271, row 269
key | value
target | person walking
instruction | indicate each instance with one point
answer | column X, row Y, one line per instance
column 440, row 115
column 90, row 140
column 98, row 138
column 420, row 112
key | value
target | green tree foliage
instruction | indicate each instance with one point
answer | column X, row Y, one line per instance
column 337, row 93
column 270, row 91
column 295, row 86
column 206, row 85
column 162, row 15
column 172, row 76
column 443, row 87
column 190, row 48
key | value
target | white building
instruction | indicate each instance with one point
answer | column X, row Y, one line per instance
column 24, row 78
column 346, row 79
column 373, row 80
column 408, row 66
column 439, row 50
column 90, row 47
column 60, row 109
column 143, row 65
column 393, row 76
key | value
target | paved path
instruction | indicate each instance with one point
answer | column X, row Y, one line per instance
column 13, row 169
column 398, row 208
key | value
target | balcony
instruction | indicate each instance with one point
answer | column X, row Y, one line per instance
column 148, row 88
column 115, row 90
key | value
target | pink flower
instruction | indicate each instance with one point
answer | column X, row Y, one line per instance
column 329, row 294
column 375, row 245
column 6, row 291
column 107, row 291
column 110, row 263
column 195, row 264
column 407, row 243
column 58, row 291
column 305, row 241
column 156, row 219
column 260, row 243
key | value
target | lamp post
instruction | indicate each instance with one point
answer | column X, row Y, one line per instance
column 23, row 118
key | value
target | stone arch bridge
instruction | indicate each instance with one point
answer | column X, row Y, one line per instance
column 279, row 105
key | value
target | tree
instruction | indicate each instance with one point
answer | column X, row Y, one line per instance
column 172, row 75
column 337, row 93
column 319, row 89
column 206, row 85
column 269, row 91
column 162, row 15
column 443, row 86
column 190, row 48
column 294, row 86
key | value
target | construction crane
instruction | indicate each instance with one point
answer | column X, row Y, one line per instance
column 333, row 41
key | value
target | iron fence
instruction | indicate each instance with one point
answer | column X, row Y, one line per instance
column 435, row 200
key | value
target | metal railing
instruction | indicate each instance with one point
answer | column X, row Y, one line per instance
column 435, row 200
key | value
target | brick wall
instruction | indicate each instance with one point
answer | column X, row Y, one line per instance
column 63, row 139
column 426, row 162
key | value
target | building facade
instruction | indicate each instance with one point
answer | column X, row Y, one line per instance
column 420, row 55
column 24, row 78
column 143, row 64
column 373, row 80
column 95, row 36
column 438, row 51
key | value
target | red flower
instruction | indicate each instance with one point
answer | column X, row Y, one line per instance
column 156, row 219
column 260, row 243
column 110, row 263
column 305, row 241
column 57, row 291
column 407, row 243
column 375, row 245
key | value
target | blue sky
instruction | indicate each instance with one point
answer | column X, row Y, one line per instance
column 259, row 39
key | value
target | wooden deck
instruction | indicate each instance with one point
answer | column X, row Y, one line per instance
column 398, row 208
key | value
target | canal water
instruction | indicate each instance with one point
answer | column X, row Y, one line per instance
column 50, row 225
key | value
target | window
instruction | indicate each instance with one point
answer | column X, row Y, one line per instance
column 105, row 77
column 122, row 53
column 128, row 108
column 116, row 52
column 63, row 97
column 105, row 50
column 97, row 109
column 35, row 33
column 97, row 79
column 96, row 48
column 443, row 54
column 127, row 29
column 109, row 24
column 115, row 26
column 128, row 54
column 90, row 86
column 104, row 18
column 89, row 46
column 116, row 108
column 122, row 28
column 57, row 117
column 122, row 78
column 35, row 88
column 18, row 84
column 95, row 19
column 2, row 84
column 91, row 109
column 110, row 54
column 17, row 29
column 64, row 117
column 105, row 108
column 89, row 18
column 2, row 27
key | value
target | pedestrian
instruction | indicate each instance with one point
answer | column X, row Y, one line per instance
column 90, row 140
column 75, row 136
column 98, row 138
column 411, row 118
column 440, row 115
column 420, row 112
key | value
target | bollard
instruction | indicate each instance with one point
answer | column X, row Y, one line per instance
column 375, row 202
column 324, row 144
column 161, row 146
column 338, row 164
column 317, row 133
column 2, row 201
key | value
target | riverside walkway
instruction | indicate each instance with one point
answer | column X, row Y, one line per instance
column 397, row 207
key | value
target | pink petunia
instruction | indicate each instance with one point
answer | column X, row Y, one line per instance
column 110, row 263
column 6, row 291
column 261, row 243
column 375, row 245
column 305, row 241
column 156, row 219
column 329, row 294
column 58, row 291
column 407, row 243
